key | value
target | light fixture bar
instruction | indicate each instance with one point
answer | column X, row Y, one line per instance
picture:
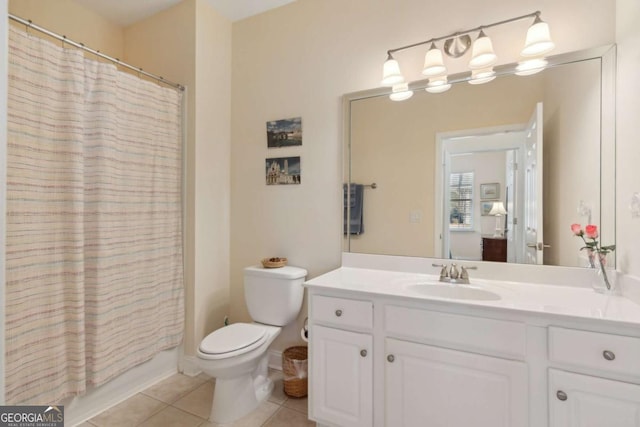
column 462, row 33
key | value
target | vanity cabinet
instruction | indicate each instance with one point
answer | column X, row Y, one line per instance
column 475, row 381
column 580, row 400
column 540, row 356
column 341, row 361
column 382, row 357
column 342, row 372
column 427, row 385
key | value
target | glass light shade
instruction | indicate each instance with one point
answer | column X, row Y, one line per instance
column 482, row 54
column 531, row 66
column 438, row 85
column 538, row 40
column 391, row 74
column 401, row 92
column 433, row 62
column 497, row 209
column 484, row 75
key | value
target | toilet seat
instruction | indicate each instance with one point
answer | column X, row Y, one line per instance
column 232, row 340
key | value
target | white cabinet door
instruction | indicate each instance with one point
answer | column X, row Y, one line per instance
column 582, row 401
column 342, row 377
column 436, row 387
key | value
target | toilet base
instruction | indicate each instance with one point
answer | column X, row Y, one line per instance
column 233, row 398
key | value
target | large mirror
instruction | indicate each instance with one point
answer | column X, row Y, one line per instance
column 490, row 172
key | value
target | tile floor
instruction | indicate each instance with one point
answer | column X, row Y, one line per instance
column 182, row 401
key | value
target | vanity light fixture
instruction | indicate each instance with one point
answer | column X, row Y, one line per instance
column 438, row 85
column 391, row 74
column 400, row 92
column 538, row 40
column 482, row 54
column 531, row 66
column 484, row 75
column 433, row 62
column 537, row 43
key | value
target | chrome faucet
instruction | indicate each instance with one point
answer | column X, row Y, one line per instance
column 453, row 275
column 444, row 274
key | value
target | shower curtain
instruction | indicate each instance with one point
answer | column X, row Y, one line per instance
column 94, row 221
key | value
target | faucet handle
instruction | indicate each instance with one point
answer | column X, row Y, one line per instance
column 444, row 273
column 454, row 274
column 464, row 273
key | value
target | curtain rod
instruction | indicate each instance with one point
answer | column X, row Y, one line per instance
column 81, row 46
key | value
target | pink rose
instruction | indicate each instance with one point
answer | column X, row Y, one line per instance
column 576, row 229
column 591, row 231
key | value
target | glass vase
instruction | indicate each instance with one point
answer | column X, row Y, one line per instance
column 605, row 280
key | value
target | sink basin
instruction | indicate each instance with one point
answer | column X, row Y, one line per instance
column 464, row 292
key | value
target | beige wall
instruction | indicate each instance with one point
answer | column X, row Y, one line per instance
column 297, row 61
column 212, row 166
column 73, row 20
column 197, row 52
column 627, row 131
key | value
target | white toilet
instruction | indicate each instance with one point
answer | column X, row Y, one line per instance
column 236, row 355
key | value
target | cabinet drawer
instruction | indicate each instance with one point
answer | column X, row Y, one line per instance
column 611, row 353
column 342, row 312
column 477, row 334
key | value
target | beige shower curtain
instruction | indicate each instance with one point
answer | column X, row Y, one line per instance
column 94, row 237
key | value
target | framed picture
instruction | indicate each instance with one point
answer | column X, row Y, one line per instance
column 284, row 133
column 485, row 207
column 282, row 170
column 490, row 191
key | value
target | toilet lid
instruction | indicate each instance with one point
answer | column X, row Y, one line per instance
column 234, row 339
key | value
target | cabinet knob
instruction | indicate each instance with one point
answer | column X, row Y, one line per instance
column 609, row 355
column 363, row 353
column 561, row 395
column 391, row 358
column 338, row 312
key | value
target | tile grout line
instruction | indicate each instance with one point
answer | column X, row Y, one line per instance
column 272, row 416
column 204, row 420
column 154, row 413
column 280, row 405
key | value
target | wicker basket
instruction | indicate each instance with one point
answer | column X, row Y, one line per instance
column 294, row 386
column 274, row 262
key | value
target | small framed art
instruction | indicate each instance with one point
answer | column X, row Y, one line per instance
column 282, row 170
column 490, row 191
column 284, row 133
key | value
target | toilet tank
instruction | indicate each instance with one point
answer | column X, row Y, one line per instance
column 274, row 295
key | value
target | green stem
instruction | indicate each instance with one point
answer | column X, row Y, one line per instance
column 590, row 258
column 604, row 273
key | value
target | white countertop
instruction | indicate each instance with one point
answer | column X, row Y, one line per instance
column 579, row 302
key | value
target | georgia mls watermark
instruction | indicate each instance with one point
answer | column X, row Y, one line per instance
column 31, row 416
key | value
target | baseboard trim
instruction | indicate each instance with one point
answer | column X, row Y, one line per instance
column 188, row 365
column 97, row 400
column 275, row 359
